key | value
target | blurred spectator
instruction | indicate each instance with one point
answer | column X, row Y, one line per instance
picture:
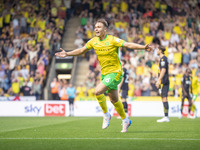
column 81, row 90
column 26, row 90
column 63, row 91
column 15, row 86
column 79, row 42
column 54, row 89
column 146, row 86
column 71, row 92
column 28, row 32
column 152, row 22
column 37, row 88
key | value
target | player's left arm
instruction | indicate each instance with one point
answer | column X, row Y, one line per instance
column 129, row 45
column 162, row 73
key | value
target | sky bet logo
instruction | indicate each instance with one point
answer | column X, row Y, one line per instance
column 32, row 109
column 54, row 109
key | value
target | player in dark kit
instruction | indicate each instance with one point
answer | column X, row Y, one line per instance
column 123, row 86
column 186, row 90
column 163, row 78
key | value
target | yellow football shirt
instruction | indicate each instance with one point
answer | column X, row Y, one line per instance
column 81, row 91
column 167, row 35
column 178, row 79
column 148, row 39
column 15, row 87
column 1, row 21
column 91, row 92
column 155, row 68
column 195, row 85
column 131, row 90
column 177, row 57
column 107, row 53
column 7, row 18
column 124, row 6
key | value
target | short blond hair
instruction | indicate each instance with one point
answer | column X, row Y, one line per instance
column 103, row 21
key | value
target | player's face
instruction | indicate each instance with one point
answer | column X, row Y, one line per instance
column 158, row 51
column 100, row 29
column 189, row 73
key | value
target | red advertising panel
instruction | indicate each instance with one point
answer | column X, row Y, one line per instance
column 185, row 110
column 54, row 109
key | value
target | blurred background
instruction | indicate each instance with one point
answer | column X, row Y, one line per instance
column 32, row 31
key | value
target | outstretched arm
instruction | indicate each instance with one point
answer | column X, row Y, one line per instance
column 75, row 52
column 137, row 46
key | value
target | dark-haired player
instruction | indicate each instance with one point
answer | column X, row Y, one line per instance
column 163, row 82
column 106, row 47
column 123, row 86
column 186, row 83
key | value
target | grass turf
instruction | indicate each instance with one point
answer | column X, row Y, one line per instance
column 59, row 133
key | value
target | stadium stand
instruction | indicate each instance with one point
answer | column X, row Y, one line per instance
column 173, row 24
column 30, row 33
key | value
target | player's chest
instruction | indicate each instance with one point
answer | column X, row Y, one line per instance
column 104, row 48
column 187, row 80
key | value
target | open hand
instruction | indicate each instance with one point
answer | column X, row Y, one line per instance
column 148, row 48
column 62, row 53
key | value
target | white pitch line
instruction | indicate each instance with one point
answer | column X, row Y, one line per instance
column 167, row 139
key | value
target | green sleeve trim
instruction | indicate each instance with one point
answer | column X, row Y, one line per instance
column 123, row 43
column 86, row 47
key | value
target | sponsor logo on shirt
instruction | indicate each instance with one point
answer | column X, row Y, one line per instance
column 162, row 63
column 101, row 49
column 118, row 40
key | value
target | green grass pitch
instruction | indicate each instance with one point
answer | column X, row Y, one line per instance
column 71, row 133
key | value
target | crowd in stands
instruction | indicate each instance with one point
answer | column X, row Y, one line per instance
column 173, row 24
column 30, row 33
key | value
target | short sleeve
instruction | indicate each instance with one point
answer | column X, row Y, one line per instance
column 163, row 63
column 89, row 44
column 124, row 72
column 118, row 42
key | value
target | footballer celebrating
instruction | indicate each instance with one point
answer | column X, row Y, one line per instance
column 163, row 82
column 106, row 48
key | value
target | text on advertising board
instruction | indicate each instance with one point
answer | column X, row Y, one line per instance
column 54, row 110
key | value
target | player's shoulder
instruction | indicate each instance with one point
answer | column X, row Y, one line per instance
column 93, row 39
column 114, row 38
column 164, row 58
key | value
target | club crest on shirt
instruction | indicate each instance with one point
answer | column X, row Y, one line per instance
column 106, row 43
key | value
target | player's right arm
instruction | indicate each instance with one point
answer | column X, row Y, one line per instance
column 76, row 52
